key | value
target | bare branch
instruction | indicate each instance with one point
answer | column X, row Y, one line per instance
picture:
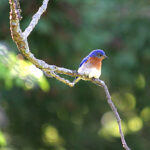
column 35, row 19
column 51, row 70
column 23, row 47
column 114, row 109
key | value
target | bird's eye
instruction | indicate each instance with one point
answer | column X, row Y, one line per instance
column 100, row 55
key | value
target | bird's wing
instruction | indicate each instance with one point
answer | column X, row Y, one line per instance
column 84, row 60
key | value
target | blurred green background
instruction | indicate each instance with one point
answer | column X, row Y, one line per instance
column 39, row 113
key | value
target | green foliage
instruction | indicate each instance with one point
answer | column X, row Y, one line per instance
column 2, row 140
column 15, row 70
column 62, row 118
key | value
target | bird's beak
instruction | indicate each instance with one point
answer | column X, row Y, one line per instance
column 105, row 56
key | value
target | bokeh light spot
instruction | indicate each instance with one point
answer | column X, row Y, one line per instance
column 140, row 81
column 145, row 114
column 125, row 101
column 110, row 126
column 2, row 140
column 135, row 124
column 107, row 118
column 51, row 136
column 29, row 84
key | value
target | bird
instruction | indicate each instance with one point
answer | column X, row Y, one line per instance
column 91, row 65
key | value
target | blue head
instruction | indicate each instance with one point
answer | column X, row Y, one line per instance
column 98, row 53
column 95, row 53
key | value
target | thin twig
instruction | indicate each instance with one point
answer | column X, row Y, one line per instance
column 114, row 109
column 20, row 38
column 35, row 19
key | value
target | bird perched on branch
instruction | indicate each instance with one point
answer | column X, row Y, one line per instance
column 91, row 64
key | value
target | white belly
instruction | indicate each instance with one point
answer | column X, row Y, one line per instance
column 90, row 72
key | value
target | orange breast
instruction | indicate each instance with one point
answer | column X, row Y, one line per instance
column 95, row 62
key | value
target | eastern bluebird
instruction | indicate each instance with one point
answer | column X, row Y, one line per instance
column 91, row 64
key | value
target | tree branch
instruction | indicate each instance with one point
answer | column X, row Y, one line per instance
column 20, row 38
column 114, row 109
column 35, row 19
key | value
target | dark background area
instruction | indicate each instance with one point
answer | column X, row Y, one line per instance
column 39, row 113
